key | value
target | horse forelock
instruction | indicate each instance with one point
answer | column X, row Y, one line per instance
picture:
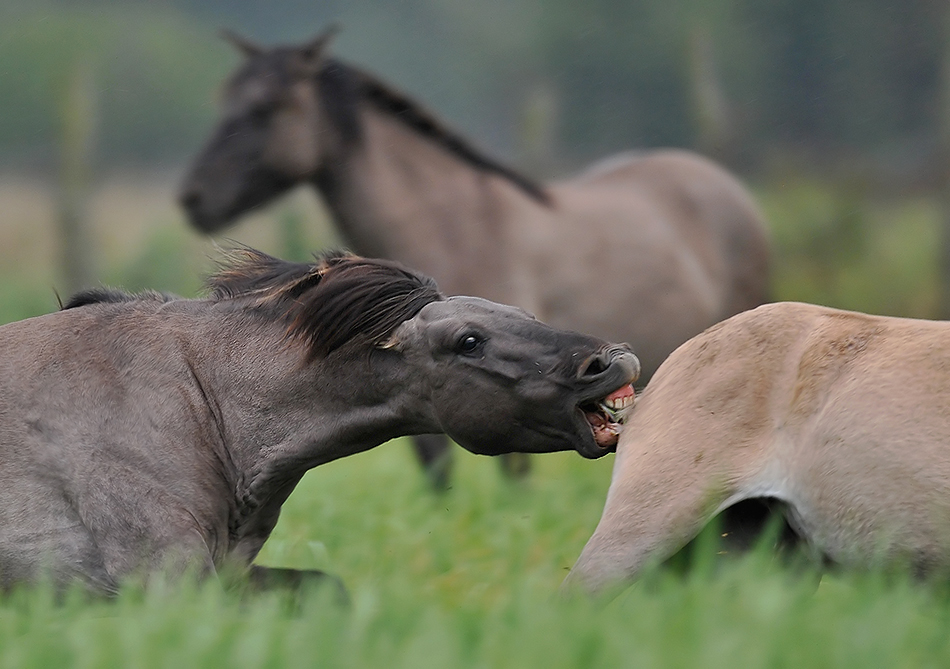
column 270, row 70
column 339, row 300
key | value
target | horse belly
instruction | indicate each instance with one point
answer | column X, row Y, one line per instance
column 604, row 272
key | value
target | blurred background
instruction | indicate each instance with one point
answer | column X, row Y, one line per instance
column 835, row 112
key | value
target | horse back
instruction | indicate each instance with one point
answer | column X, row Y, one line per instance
column 709, row 209
column 650, row 250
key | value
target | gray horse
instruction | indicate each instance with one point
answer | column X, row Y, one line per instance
column 669, row 232
column 140, row 432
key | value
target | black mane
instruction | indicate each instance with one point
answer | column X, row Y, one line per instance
column 338, row 300
column 111, row 296
column 344, row 86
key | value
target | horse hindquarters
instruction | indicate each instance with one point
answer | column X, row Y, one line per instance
column 434, row 452
column 700, row 438
column 649, row 515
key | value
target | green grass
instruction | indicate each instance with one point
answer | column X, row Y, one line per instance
column 469, row 579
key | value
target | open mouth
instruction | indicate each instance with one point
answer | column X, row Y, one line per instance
column 606, row 416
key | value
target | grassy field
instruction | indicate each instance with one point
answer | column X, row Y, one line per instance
column 470, row 578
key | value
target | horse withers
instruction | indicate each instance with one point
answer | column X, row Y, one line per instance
column 142, row 432
column 668, row 231
column 836, row 421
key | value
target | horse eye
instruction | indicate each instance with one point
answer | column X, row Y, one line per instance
column 468, row 343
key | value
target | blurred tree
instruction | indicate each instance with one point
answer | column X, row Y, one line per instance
column 824, row 76
column 539, row 128
column 156, row 73
column 714, row 127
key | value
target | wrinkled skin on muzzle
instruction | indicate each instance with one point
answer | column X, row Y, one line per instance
column 483, row 359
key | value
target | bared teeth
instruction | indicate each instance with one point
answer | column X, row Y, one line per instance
column 619, row 403
column 620, row 399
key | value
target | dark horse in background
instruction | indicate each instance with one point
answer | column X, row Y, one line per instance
column 649, row 249
column 140, row 432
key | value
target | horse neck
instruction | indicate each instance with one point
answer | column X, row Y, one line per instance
column 279, row 415
column 401, row 195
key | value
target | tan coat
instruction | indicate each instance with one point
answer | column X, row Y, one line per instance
column 842, row 417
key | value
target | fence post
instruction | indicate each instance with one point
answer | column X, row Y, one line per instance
column 538, row 136
column 943, row 165
column 711, row 114
column 78, row 114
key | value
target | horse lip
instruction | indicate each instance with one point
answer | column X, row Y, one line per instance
column 623, row 369
column 588, row 446
column 202, row 220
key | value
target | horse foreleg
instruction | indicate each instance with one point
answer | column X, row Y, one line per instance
column 435, row 454
column 515, row 465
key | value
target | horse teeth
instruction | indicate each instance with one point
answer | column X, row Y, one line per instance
column 619, row 403
column 613, row 414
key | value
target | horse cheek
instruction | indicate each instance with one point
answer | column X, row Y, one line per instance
column 291, row 148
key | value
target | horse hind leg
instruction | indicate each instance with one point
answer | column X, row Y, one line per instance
column 435, row 455
column 434, row 452
column 297, row 581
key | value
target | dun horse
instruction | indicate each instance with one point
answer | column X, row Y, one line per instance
column 835, row 420
column 139, row 432
column 668, row 232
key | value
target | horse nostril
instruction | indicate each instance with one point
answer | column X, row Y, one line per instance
column 594, row 365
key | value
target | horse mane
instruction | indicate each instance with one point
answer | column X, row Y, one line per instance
column 346, row 85
column 340, row 299
column 112, row 296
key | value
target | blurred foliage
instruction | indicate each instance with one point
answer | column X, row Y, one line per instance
column 834, row 245
column 842, row 247
column 167, row 261
column 839, row 75
column 155, row 72
column 824, row 79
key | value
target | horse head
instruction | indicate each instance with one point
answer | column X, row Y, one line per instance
column 269, row 137
column 500, row 381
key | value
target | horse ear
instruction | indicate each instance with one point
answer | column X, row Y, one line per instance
column 311, row 54
column 393, row 343
column 244, row 45
column 400, row 338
